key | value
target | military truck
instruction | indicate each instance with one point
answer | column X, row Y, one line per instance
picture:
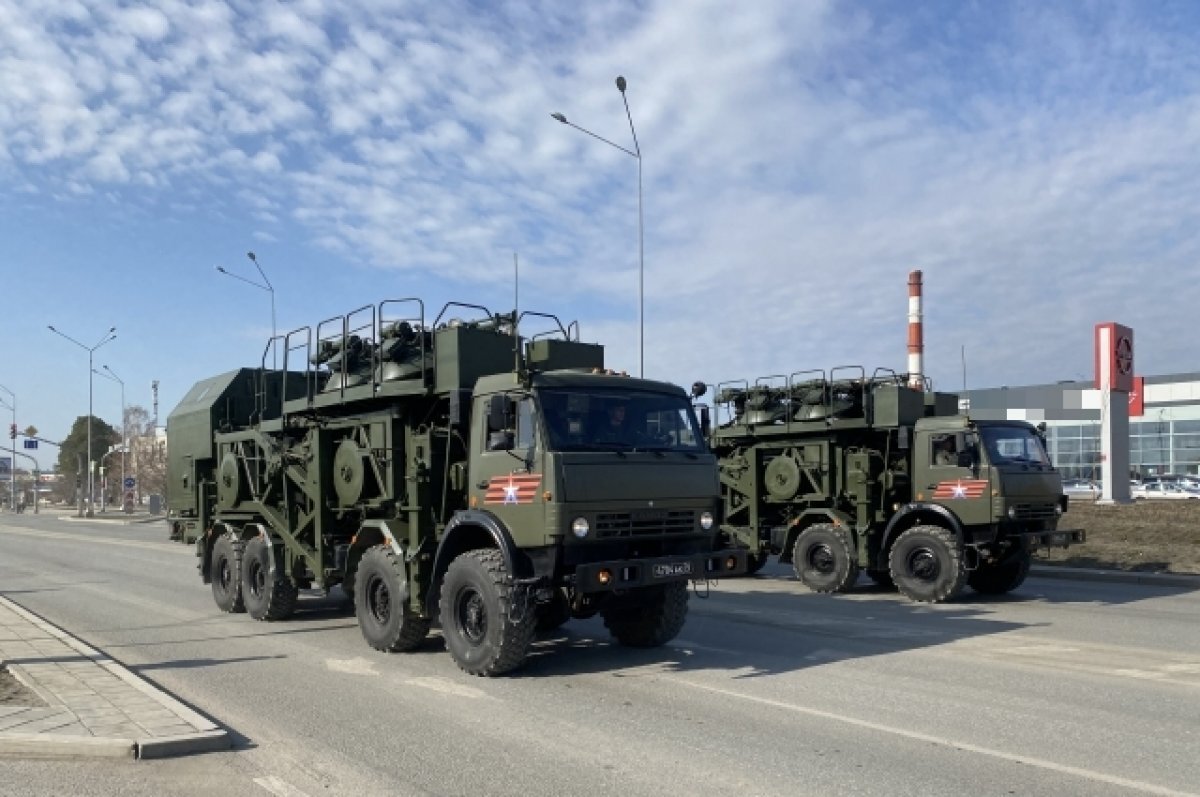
column 839, row 472
column 453, row 471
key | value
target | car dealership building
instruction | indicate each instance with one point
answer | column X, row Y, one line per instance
column 1164, row 422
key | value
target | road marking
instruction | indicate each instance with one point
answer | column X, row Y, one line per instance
column 446, row 687
column 60, row 535
column 1107, row 660
column 356, row 666
column 1064, row 769
column 279, row 787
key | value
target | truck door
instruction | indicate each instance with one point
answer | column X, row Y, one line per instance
column 506, row 479
column 951, row 472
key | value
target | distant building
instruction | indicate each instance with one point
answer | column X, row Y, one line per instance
column 1164, row 422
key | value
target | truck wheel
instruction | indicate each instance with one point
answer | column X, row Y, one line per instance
column 225, row 568
column 380, row 603
column 824, row 558
column 927, row 564
column 553, row 614
column 266, row 590
column 656, row 618
column 484, row 631
column 998, row 579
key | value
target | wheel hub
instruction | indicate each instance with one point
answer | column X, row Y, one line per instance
column 379, row 601
column 472, row 616
column 923, row 564
column 821, row 559
column 258, row 579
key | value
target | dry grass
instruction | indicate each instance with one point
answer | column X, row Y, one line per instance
column 1155, row 536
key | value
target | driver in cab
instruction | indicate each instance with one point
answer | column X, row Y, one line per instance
column 613, row 430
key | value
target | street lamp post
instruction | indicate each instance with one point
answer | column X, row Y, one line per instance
column 636, row 153
column 124, row 425
column 12, row 468
column 268, row 287
column 108, row 336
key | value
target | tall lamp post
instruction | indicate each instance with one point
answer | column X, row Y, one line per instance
column 111, row 375
column 268, row 287
column 91, row 350
column 12, row 468
column 636, row 153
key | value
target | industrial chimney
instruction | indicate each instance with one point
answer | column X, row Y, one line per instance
column 916, row 332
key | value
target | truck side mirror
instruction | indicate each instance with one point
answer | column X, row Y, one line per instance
column 705, row 421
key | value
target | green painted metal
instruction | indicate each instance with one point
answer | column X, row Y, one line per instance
column 432, row 440
column 858, row 451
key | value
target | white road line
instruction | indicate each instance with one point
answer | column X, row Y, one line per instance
column 58, row 535
column 279, row 787
column 1064, row 769
column 446, row 687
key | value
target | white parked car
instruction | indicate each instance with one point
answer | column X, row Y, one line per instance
column 1164, row 490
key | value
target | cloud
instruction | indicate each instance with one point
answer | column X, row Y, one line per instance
column 798, row 160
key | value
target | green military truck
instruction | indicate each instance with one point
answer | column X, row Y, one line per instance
column 454, row 471
column 838, row 473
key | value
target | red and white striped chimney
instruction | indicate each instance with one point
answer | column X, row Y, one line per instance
column 916, row 332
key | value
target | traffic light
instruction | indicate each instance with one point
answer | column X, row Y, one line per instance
column 12, row 431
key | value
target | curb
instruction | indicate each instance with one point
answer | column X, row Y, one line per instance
column 207, row 738
column 48, row 746
column 123, row 521
column 1116, row 576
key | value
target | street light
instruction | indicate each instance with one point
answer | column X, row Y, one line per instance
column 111, row 450
column 124, row 426
column 12, row 468
column 268, row 287
column 108, row 336
column 636, row 153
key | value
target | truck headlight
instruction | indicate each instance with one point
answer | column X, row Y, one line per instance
column 706, row 521
column 580, row 527
column 1012, row 513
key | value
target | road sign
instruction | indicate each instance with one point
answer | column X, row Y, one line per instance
column 130, row 482
column 31, row 443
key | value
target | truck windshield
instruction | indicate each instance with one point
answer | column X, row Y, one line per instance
column 615, row 420
column 1013, row 444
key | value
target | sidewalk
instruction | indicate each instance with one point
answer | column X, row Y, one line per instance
column 1066, row 572
column 59, row 697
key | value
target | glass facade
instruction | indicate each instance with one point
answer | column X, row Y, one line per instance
column 1155, row 447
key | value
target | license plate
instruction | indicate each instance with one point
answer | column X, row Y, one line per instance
column 670, row 569
column 1059, row 538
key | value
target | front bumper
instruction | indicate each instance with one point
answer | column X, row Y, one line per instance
column 1058, row 538
column 595, row 577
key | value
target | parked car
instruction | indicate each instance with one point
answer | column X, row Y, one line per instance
column 1159, row 490
column 1081, row 487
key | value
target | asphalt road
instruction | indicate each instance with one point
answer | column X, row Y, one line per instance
column 1065, row 688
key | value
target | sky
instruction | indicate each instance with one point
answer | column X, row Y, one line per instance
column 1036, row 161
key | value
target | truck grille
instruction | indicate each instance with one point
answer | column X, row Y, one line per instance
column 1039, row 512
column 645, row 523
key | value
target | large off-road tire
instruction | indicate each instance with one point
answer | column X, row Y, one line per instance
column 648, row 617
column 266, row 590
column 998, row 579
column 486, row 631
column 926, row 563
column 552, row 615
column 381, row 603
column 824, row 558
column 225, row 570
